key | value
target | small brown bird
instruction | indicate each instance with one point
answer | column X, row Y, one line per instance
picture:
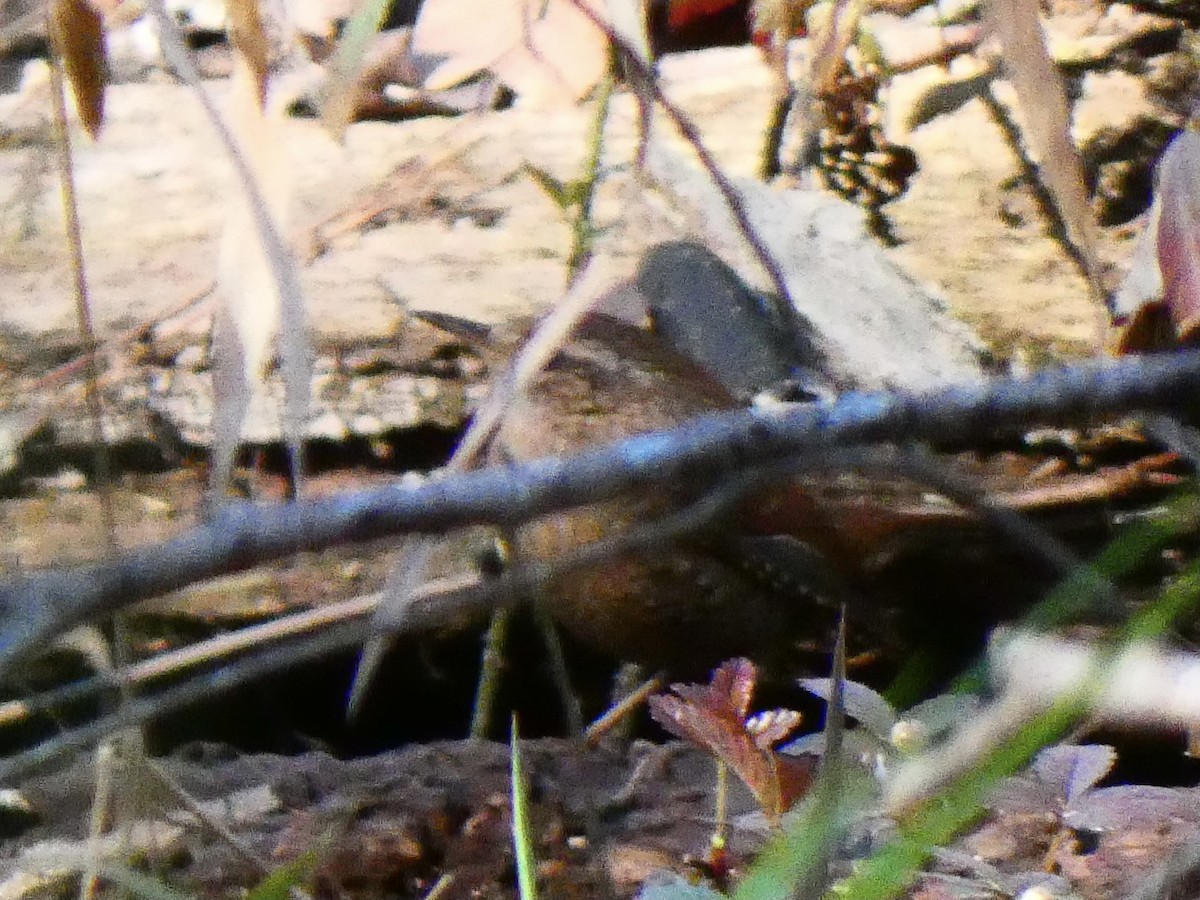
column 753, row 576
column 697, row 600
column 747, row 578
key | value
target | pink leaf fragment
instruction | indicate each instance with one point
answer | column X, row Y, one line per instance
column 1178, row 238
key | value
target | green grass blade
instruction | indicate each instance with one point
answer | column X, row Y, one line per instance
column 279, row 883
column 797, row 864
column 890, row 871
column 790, row 860
column 522, row 840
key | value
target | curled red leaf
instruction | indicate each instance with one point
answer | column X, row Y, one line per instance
column 714, row 716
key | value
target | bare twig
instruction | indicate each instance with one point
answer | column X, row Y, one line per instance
column 437, row 602
column 35, row 607
column 426, row 607
column 211, row 684
column 623, row 707
column 205, row 652
column 83, row 309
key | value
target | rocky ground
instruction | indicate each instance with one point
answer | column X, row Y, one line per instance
column 441, row 214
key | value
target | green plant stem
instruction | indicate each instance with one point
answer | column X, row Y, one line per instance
column 790, row 860
column 522, row 830
column 491, row 665
column 720, row 835
column 583, row 231
column 115, row 646
column 890, row 871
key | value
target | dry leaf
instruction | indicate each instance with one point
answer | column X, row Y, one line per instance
column 1048, row 124
column 246, row 277
column 1138, row 311
column 547, row 49
column 714, row 716
column 1158, row 303
column 77, row 32
column 1074, row 769
column 250, row 42
column 859, row 702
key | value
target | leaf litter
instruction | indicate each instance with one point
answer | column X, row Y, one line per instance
column 484, row 820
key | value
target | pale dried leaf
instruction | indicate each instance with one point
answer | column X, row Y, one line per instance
column 939, row 714
column 1143, row 284
column 1127, row 806
column 246, row 277
column 546, row 49
column 1024, row 794
column 861, row 703
column 77, row 31
column 1074, row 769
column 857, row 743
column 1047, row 117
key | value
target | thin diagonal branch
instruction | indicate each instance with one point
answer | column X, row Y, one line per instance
column 36, row 607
